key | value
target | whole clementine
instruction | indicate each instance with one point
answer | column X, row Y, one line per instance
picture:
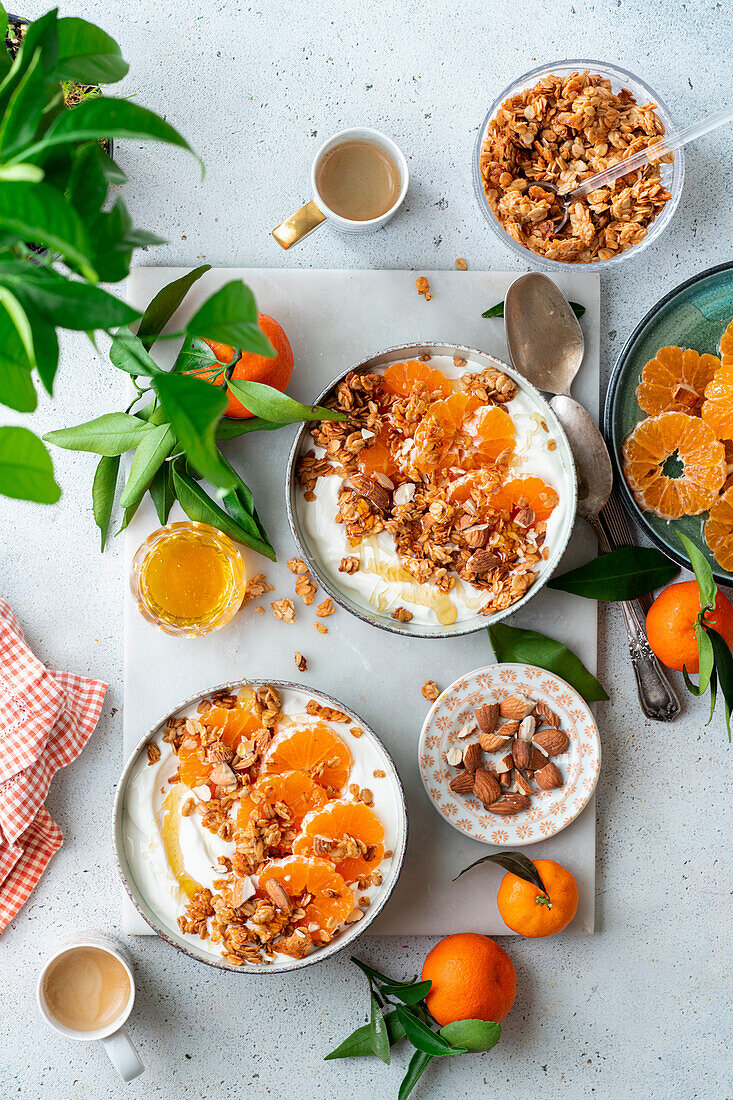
column 473, row 979
column 529, row 912
column 275, row 372
column 670, row 624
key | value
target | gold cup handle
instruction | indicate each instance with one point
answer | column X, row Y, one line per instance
column 298, row 225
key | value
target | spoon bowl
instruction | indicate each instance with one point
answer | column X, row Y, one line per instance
column 546, row 343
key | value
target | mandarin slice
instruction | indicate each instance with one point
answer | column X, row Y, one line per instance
column 717, row 409
column 493, row 432
column 704, row 469
column 193, row 767
column 314, row 749
column 377, row 456
column 675, row 380
column 719, row 530
column 526, row 492
column 400, row 378
column 337, row 824
column 233, row 724
column 331, row 899
column 295, row 790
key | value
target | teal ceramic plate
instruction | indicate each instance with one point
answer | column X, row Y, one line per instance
column 693, row 315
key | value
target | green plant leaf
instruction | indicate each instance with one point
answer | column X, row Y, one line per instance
column 16, row 384
column 26, row 470
column 20, row 173
column 20, row 321
column 408, row 994
column 359, row 1043
column 37, row 212
column 516, row 862
column 474, row 1035
column 110, row 434
column 66, row 303
column 127, row 352
column 724, row 672
column 422, row 1037
column 418, row 1064
column 46, row 346
column 200, row 507
column 194, row 355
column 165, row 303
column 87, row 54
column 510, row 643
column 373, row 974
column 22, row 116
column 240, row 505
column 702, row 570
column 194, row 408
column 270, row 404
column 498, row 310
column 127, row 516
column 706, row 660
column 378, row 1035
column 103, row 492
column 230, row 317
column 150, row 454
column 232, row 429
column 105, row 117
column 162, row 492
column 622, row 574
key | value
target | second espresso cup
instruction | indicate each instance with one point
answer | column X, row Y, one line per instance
column 314, row 213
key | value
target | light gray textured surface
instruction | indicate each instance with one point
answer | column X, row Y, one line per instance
column 638, row 1010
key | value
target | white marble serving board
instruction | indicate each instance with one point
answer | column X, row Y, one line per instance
column 335, row 318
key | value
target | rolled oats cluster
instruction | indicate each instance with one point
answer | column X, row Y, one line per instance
column 565, row 130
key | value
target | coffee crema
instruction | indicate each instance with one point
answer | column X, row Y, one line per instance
column 358, row 180
column 86, row 989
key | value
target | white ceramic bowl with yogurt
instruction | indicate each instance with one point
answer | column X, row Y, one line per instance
column 142, row 861
column 323, row 543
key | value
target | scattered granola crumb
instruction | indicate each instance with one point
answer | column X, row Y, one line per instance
column 301, row 662
column 458, row 362
column 256, row 586
column 325, row 609
column 297, row 565
column 423, row 287
column 551, row 445
column 461, row 264
column 260, row 610
column 188, row 807
column 366, row 796
column 430, row 690
column 402, row 615
column 329, row 713
column 363, row 902
column 349, row 565
column 153, row 752
column 354, row 790
column 379, row 774
column 321, row 628
column 306, row 588
column 355, row 731
column 284, row 610
column 388, row 854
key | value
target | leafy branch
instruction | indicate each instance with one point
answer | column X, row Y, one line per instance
column 398, row 1011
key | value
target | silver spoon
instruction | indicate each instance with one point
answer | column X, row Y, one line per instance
column 546, row 345
column 660, row 148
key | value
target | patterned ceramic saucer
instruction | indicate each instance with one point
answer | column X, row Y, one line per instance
column 550, row 811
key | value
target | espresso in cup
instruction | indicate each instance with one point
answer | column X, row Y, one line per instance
column 86, row 989
column 358, row 180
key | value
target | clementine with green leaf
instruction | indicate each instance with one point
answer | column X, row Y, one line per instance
column 533, row 913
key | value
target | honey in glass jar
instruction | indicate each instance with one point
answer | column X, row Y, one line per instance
column 188, row 578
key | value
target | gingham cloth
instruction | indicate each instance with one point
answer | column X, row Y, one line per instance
column 46, row 719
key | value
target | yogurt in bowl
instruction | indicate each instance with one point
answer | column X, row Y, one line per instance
column 260, row 827
column 447, row 499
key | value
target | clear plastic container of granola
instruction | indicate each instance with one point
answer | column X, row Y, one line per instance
column 672, row 174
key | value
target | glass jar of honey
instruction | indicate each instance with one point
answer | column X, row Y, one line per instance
column 188, row 579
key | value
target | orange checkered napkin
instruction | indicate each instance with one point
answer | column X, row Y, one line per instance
column 46, row 719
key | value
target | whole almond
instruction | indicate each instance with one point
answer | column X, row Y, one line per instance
column 477, row 537
column 472, row 756
column 522, row 754
column 516, row 707
column 279, row 895
column 548, row 716
column 509, row 804
column 491, row 742
column 462, row 783
column 372, row 491
column 549, row 777
column 487, row 716
column 482, row 561
column 486, row 787
column 553, row 741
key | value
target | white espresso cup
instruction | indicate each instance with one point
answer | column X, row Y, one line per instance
column 316, row 212
column 113, row 1037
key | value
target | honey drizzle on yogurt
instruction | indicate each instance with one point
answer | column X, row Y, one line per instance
column 410, row 591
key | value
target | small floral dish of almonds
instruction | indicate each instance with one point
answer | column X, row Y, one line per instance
column 260, row 827
column 446, row 499
column 509, row 754
column 563, row 123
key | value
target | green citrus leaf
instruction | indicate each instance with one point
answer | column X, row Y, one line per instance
column 474, row 1035
column 702, row 570
column 516, row 862
column 37, row 212
column 378, row 1034
column 110, row 434
column 623, row 574
column 706, row 659
column 67, row 303
column 26, row 470
column 194, row 409
column 162, row 492
column 229, row 316
column 418, row 1064
column 498, row 310
column 422, row 1037
column 149, row 456
column 270, row 404
column 359, row 1043
column 199, row 507
column 165, row 303
column 724, row 672
column 103, row 492
column 510, row 643
column 128, row 353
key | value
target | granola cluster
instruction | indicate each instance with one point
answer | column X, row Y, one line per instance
column 564, row 130
column 437, row 538
column 250, row 923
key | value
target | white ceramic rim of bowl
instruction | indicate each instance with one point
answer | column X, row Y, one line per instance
column 503, row 822
column 376, row 137
column 102, row 942
column 615, row 73
column 565, row 457
column 346, row 936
